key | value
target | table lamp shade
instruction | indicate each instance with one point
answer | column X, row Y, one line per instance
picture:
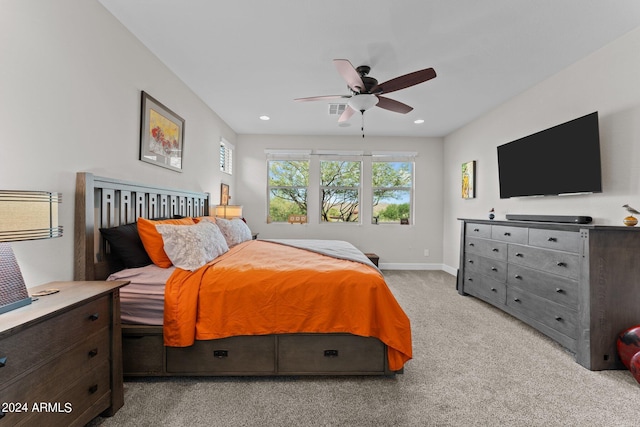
column 229, row 211
column 24, row 215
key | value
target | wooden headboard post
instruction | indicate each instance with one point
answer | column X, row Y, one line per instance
column 106, row 202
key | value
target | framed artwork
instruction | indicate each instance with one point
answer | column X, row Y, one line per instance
column 161, row 135
column 224, row 194
column 469, row 180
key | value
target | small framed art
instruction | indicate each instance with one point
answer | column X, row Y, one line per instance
column 224, row 194
column 161, row 135
column 469, row 180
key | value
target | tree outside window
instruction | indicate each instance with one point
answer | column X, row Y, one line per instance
column 340, row 190
column 392, row 188
column 288, row 182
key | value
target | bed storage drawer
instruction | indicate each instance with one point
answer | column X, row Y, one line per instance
column 142, row 350
column 225, row 356
column 332, row 353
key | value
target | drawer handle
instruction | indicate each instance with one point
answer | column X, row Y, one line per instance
column 516, row 299
column 3, row 361
column 93, row 317
column 470, row 279
column 519, row 255
column 470, row 261
column 495, row 250
column 559, row 319
column 561, row 264
column 93, row 352
column 494, row 269
column 476, row 229
column 559, row 291
column 93, row 389
column 220, row 354
column 507, row 233
column 552, row 239
column 517, row 276
column 471, row 244
column 331, row 353
column 494, row 290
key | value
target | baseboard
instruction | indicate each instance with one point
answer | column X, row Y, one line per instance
column 414, row 266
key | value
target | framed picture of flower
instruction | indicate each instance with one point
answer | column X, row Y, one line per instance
column 161, row 135
column 469, row 180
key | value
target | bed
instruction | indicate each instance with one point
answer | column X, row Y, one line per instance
column 298, row 307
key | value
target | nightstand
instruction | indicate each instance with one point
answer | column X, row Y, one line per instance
column 373, row 258
column 61, row 356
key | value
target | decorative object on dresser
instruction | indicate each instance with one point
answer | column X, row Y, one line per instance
column 24, row 215
column 161, row 135
column 61, row 357
column 630, row 220
column 578, row 284
column 104, row 202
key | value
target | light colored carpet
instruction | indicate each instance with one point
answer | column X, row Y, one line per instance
column 473, row 366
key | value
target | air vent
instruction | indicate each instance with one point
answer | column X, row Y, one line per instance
column 336, row 109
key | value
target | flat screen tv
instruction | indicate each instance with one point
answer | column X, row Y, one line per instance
column 564, row 159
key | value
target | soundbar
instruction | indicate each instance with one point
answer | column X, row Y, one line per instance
column 572, row 219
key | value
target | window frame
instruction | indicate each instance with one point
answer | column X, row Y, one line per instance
column 286, row 157
column 387, row 158
column 226, row 156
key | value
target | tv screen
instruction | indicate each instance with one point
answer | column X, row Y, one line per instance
column 563, row 159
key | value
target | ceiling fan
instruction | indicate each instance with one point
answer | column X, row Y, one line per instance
column 366, row 91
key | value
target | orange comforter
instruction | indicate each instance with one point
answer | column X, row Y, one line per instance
column 261, row 288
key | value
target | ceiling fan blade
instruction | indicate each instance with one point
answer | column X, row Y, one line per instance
column 321, row 98
column 349, row 74
column 346, row 114
column 405, row 81
column 393, row 105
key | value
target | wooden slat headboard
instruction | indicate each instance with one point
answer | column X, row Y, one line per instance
column 105, row 202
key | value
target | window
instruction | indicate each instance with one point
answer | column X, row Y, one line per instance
column 340, row 190
column 226, row 156
column 287, row 188
column 392, row 186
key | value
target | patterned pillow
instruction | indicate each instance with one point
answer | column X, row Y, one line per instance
column 235, row 231
column 191, row 246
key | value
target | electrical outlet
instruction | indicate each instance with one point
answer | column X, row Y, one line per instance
column 426, row 252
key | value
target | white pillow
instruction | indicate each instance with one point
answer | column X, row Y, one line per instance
column 235, row 231
column 191, row 246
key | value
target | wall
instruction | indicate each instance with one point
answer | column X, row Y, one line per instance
column 606, row 81
column 399, row 246
column 70, row 83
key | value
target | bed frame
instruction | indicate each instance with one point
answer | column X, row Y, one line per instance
column 104, row 202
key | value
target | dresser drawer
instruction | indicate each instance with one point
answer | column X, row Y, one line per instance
column 558, row 289
column 478, row 230
column 495, row 269
column 487, row 248
column 226, row 355
column 331, row 353
column 555, row 239
column 505, row 233
column 40, row 343
column 69, row 405
column 561, row 263
column 549, row 313
column 485, row 288
column 42, row 384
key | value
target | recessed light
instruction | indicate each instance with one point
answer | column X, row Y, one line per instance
column 419, row 121
column 265, row 118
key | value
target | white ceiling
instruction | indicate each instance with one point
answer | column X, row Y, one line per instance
column 248, row 58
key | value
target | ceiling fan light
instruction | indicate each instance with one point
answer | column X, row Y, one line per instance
column 363, row 102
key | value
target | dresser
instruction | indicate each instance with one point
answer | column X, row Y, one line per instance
column 578, row 284
column 61, row 356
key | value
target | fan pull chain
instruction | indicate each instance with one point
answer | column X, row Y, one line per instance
column 362, row 125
